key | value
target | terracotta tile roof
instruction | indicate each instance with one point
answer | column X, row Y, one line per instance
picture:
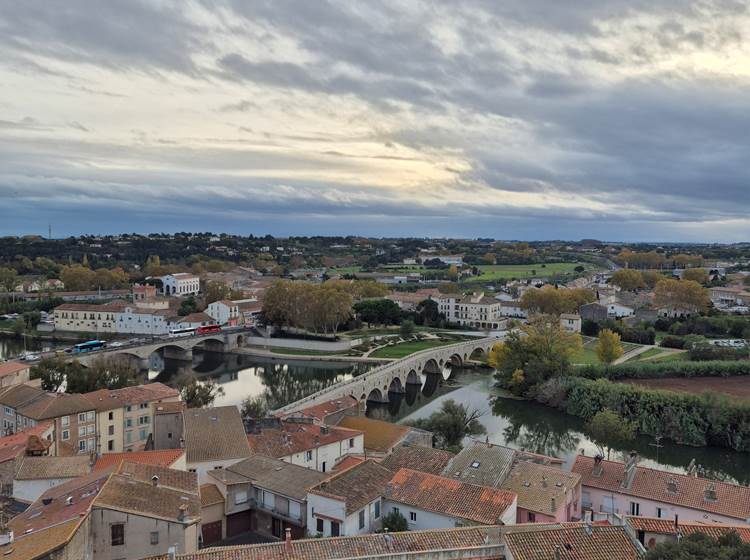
column 448, row 497
column 379, row 436
column 357, row 486
column 199, row 317
column 41, row 543
column 482, row 464
column 46, row 467
column 210, row 495
column 573, row 542
column 271, row 474
column 160, row 458
column 732, row 500
column 667, row 527
column 11, row 446
column 418, row 458
column 359, row 547
column 130, row 490
column 214, row 434
column 10, row 368
column 297, row 437
column 348, row 462
column 169, row 407
column 321, row 411
column 54, row 405
column 19, row 395
column 109, row 399
column 538, row 485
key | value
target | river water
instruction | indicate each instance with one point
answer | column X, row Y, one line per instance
column 516, row 423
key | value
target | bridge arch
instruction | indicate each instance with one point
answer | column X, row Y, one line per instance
column 376, row 395
column 432, row 366
column 413, row 378
column 479, row 354
column 396, row 386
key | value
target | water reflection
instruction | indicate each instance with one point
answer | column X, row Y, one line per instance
column 14, row 347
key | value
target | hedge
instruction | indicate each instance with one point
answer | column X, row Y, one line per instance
column 697, row 420
column 659, row 369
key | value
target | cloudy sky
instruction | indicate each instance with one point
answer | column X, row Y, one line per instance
column 520, row 119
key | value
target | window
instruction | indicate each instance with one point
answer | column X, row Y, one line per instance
column 362, row 519
column 395, row 510
column 129, row 423
column 351, row 443
column 412, row 516
column 111, row 431
column 143, row 405
column 335, row 531
column 308, row 455
column 660, row 512
column 117, row 534
column 323, row 467
column 9, row 412
column 111, row 445
column 90, row 429
column 319, row 525
column 635, row 508
column 377, row 510
column 154, row 537
column 531, row 517
column 475, row 465
column 81, row 431
column 65, row 420
column 90, row 416
column 128, row 408
column 240, row 497
column 142, row 434
column 66, row 434
column 169, row 435
column 82, row 417
column 111, row 415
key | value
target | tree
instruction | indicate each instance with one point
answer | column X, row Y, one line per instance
column 608, row 349
column 651, row 278
column 378, row 311
column 187, row 307
column 77, row 278
column 540, row 349
column 451, row 424
column 51, row 371
column 608, row 430
column 553, row 301
column 700, row 546
column 407, row 327
column 453, row 273
column 681, row 295
column 198, row 394
column 8, row 278
column 254, row 407
column 394, row 522
column 695, row 274
column 215, row 291
column 428, row 313
column 627, row 279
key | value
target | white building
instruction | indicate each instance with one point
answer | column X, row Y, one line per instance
column 570, row 322
column 36, row 475
column 619, row 310
column 627, row 489
column 181, row 284
column 457, row 260
column 349, row 503
column 224, row 312
column 149, row 317
column 476, row 310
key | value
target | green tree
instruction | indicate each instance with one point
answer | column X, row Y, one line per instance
column 215, row 291
column 187, row 307
column 680, row 295
column 394, row 522
column 254, row 407
column 699, row 546
column 198, row 394
column 608, row 430
column 8, row 279
column 627, row 279
column 51, row 371
column 608, row 349
column 451, row 424
column 696, row 275
column 407, row 327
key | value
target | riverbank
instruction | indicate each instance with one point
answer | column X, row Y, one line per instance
column 279, row 355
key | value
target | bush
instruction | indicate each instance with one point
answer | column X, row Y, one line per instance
column 707, row 419
column 673, row 342
column 656, row 370
column 706, row 352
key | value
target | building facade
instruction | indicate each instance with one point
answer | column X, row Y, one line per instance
column 181, row 284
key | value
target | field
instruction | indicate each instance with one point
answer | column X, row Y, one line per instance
column 736, row 388
column 588, row 356
column 507, row 271
column 406, row 348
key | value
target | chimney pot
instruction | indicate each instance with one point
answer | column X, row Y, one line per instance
column 288, row 538
column 154, row 480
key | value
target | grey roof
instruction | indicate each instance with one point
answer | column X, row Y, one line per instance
column 274, row 475
column 42, row 468
column 491, row 464
column 214, row 434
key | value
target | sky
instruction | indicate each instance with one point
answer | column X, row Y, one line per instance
column 521, row 119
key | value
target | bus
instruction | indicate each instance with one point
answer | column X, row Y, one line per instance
column 208, row 329
column 181, row 332
column 88, row 346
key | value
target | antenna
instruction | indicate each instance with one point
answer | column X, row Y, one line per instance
column 49, row 227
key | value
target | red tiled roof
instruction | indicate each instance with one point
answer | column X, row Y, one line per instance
column 418, row 458
column 160, row 458
column 666, row 527
column 108, row 399
column 210, row 495
column 732, row 500
column 449, row 497
column 357, row 486
column 320, row 411
column 572, row 542
column 379, row 435
column 11, row 446
column 12, row 367
column 348, row 462
column 296, row 437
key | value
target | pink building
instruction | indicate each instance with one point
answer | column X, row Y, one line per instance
column 546, row 494
column 626, row 488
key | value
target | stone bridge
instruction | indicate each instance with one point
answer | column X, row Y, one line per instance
column 179, row 348
column 376, row 384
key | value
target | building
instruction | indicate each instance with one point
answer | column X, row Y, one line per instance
column 301, row 442
column 428, row 501
column 265, row 495
column 249, row 310
column 224, row 312
column 166, row 458
column 348, row 503
column 194, row 320
column 181, row 284
column 457, row 260
column 619, row 310
column 214, row 439
column 152, row 317
column 141, row 292
column 34, row 441
column 418, row 458
column 482, row 464
column 652, row 531
column 512, row 308
column 329, row 412
column 475, row 310
column 131, row 512
column 36, row 475
column 213, row 523
column 729, row 296
column 380, row 438
column 73, row 417
column 594, row 312
column 570, row 322
column 13, row 373
column 626, row 488
column 168, row 425
column 125, row 416
column 545, row 493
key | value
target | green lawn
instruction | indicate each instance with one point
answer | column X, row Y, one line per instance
column 406, row 348
column 346, row 269
column 507, row 271
column 588, row 355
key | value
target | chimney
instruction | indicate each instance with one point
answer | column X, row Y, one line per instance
column 554, row 504
column 154, row 480
column 709, row 494
column 324, row 430
column 672, row 485
column 172, row 553
column 69, row 501
column 182, row 512
column 6, row 537
column 92, row 459
column 558, row 555
column 597, row 470
column 544, row 481
column 288, row 540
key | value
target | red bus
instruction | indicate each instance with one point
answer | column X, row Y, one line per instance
column 208, row 329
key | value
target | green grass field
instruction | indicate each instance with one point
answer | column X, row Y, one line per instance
column 507, row 271
column 406, row 348
column 588, row 355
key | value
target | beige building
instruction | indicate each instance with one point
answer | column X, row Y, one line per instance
column 13, row 373
column 125, row 417
column 476, row 310
column 141, row 317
